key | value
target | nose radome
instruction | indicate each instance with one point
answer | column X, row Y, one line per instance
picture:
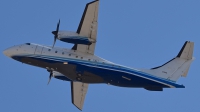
column 5, row 52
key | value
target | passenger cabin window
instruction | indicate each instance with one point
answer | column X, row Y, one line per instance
column 49, row 49
column 69, row 54
column 76, row 56
column 81, row 57
column 63, row 53
column 56, row 51
column 89, row 59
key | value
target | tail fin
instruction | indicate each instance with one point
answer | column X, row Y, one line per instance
column 178, row 66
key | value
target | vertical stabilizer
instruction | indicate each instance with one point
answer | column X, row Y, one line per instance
column 178, row 66
column 186, row 51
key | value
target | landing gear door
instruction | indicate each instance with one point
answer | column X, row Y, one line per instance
column 38, row 50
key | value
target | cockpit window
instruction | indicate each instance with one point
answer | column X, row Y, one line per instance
column 28, row 44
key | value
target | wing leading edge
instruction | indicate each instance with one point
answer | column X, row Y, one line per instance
column 88, row 27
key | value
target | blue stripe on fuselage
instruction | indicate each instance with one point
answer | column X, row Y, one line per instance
column 109, row 67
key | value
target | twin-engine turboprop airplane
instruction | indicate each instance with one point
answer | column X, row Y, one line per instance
column 81, row 67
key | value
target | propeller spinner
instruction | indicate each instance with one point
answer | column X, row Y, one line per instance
column 56, row 33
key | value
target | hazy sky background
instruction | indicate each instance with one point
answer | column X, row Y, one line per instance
column 135, row 33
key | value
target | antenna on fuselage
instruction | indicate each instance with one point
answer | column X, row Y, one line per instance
column 56, row 33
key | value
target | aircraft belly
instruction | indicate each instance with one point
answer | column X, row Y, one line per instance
column 71, row 71
column 135, row 81
column 77, row 72
column 118, row 78
column 122, row 79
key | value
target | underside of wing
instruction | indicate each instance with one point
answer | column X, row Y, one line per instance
column 88, row 27
column 78, row 90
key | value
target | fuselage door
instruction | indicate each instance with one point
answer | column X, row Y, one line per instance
column 38, row 50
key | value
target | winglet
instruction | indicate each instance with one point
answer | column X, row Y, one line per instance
column 187, row 51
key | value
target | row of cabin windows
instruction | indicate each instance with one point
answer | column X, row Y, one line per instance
column 64, row 53
column 69, row 54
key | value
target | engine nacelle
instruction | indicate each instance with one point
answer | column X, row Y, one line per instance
column 60, row 76
column 73, row 37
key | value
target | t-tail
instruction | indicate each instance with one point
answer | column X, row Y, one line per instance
column 178, row 66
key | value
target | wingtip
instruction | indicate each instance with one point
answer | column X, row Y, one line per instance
column 77, row 107
column 92, row 2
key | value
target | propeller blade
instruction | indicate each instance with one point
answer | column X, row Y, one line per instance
column 54, row 42
column 50, row 76
column 56, row 33
column 58, row 25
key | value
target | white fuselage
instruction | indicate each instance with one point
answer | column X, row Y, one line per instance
column 25, row 49
column 36, row 49
column 74, row 64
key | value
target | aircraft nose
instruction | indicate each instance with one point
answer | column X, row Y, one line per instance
column 7, row 52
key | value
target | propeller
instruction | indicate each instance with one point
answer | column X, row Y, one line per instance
column 56, row 33
column 50, row 76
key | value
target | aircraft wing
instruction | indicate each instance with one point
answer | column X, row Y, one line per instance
column 78, row 91
column 88, row 27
